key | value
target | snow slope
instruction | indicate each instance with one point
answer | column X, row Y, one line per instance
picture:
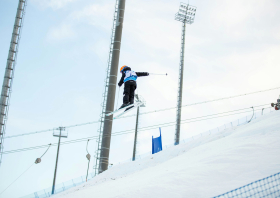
column 204, row 167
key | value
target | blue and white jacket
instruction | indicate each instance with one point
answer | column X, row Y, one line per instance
column 128, row 75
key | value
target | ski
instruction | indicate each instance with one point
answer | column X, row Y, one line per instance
column 135, row 105
column 108, row 114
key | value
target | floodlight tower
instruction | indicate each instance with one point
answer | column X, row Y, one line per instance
column 185, row 15
column 9, row 72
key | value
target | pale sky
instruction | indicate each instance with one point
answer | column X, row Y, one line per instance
column 231, row 48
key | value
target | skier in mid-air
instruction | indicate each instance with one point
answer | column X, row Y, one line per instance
column 129, row 79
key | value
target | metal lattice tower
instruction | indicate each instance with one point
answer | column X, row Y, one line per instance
column 185, row 15
column 9, row 71
column 103, row 142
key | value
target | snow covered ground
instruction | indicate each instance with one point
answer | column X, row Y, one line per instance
column 205, row 167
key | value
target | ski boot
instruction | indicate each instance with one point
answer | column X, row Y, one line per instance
column 124, row 105
column 129, row 108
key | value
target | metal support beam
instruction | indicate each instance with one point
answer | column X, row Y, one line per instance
column 138, row 99
column 135, row 136
column 180, row 89
column 9, row 73
column 109, row 97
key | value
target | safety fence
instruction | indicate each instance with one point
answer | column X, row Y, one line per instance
column 236, row 123
column 74, row 182
column 60, row 187
column 266, row 187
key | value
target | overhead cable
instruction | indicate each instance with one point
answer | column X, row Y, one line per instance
column 167, row 124
column 36, row 132
column 37, row 161
column 148, row 112
column 17, row 178
column 203, row 102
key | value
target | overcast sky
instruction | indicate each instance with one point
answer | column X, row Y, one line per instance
column 231, row 48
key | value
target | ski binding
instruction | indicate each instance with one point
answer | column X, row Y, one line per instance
column 135, row 106
column 113, row 112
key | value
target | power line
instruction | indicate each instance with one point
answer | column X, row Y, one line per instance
column 167, row 124
column 38, row 160
column 154, row 111
column 203, row 102
column 29, row 133
column 17, row 178
column 141, row 129
column 188, row 120
column 52, row 144
column 82, row 124
column 36, row 132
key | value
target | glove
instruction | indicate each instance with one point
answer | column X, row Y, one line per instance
column 148, row 74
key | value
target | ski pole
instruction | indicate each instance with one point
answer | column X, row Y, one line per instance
column 118, row 99
column 157, row 74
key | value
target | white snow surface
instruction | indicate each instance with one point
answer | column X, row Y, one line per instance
column 205, row 167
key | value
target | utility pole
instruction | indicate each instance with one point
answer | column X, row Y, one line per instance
column 136, row 127
column 185, row 15
column 55, row 169
column 9, row 73
column 104, row 141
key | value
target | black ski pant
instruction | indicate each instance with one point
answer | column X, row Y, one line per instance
column 128, row 93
